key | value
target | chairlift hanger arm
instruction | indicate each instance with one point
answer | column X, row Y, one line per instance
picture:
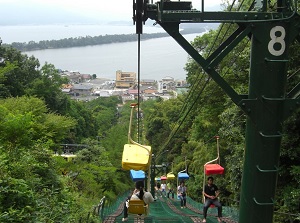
column 130, row 140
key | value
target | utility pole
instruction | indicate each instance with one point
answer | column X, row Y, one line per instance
column 267, row 104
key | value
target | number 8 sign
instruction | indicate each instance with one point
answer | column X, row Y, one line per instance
column 277, row 39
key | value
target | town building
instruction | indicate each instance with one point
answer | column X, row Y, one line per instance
column 125, row 79
column 167, row 84
column 84, row 87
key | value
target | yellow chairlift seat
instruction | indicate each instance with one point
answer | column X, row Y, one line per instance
column 136, row 157
column 137, row 207
column 170, row 176
column 67, row 157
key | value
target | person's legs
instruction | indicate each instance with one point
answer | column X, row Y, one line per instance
column 159, row 192
column 219, row 206
column 125, row 212
column 181, row 201
column 184, row 201
column 205, row 208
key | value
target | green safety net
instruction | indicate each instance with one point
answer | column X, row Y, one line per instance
column 169, row 210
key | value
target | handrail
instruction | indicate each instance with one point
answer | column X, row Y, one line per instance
column 98, row 209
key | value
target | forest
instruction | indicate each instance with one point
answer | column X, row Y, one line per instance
column 92, row 40
column 36, row 117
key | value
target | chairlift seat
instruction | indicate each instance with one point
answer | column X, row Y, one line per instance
column 137, row 175
column 170, row 176
column 137, row 207
column 68, row 157
column 211, row 169
column 136, row 157
column 183, row 176
column 163, row 178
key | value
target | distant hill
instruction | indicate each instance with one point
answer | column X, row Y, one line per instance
column 96, row 40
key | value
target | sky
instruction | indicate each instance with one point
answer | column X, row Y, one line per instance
column 104, row 10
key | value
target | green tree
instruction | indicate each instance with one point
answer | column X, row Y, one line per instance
column 28, row 179
column 18, row 79
column 26, row 119
column 48, row 87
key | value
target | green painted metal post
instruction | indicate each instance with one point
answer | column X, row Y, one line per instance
column 152, row 177
column 270, row 42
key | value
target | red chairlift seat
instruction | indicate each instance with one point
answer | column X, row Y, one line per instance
column 214, row 168
column 163, row 177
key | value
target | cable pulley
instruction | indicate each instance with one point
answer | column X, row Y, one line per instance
column 139, row 14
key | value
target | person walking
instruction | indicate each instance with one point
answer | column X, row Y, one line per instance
column 170, row 190
column 163, row 188
column 211, row 193
column 181, row 193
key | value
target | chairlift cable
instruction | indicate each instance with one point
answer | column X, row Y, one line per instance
column 293, row 74
column 197, row 82
column 138, row 94
column 174, row 131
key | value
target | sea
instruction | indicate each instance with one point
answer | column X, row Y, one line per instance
column 159, row 58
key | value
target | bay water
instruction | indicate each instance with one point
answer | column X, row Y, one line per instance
column 159, row 58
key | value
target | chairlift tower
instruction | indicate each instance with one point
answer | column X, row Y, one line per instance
column 267, row 104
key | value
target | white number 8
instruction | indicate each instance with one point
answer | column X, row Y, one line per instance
column 277, row 39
